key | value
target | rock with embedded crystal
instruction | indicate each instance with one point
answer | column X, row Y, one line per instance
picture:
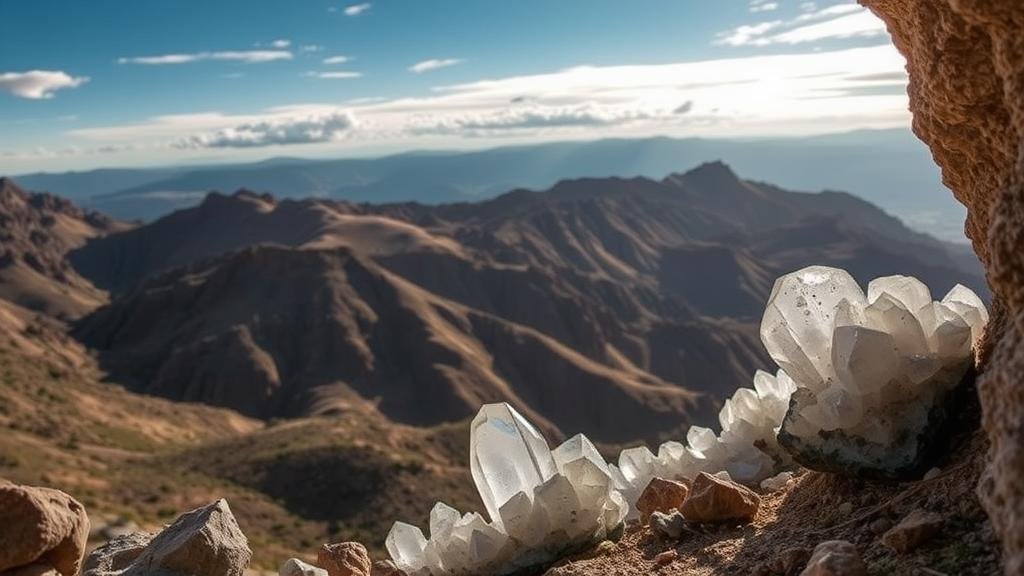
column 713, row 500
column 874, row 374
column 661, row 496
column 344, row 559
column 542, row 504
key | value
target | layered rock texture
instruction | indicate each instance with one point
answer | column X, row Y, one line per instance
column 966, row 65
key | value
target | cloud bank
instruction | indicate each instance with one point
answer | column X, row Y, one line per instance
column 309, row 130
column 840, row 21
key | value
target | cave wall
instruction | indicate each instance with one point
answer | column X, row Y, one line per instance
column 966, row 64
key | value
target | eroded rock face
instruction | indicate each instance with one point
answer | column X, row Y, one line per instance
column 41, row 526
column 204, row 542
column 966, row 65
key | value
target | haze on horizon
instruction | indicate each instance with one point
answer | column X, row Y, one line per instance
column 160, row 83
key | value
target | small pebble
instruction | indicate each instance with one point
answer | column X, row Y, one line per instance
column 666, row 557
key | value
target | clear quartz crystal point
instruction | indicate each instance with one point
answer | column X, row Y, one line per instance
column 966, row 303
column 507, row 455
column 798, row 320
column 405, row 543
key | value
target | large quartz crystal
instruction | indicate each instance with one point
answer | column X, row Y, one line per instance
column 874, row 373
column 541, row 504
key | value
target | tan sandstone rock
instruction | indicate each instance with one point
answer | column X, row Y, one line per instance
column 661, row 496
column 918, row 527
column 714, row 500
column 835, row 558
column 966, row 64
column 204, row 542
column 344, row 559
column 41, row 526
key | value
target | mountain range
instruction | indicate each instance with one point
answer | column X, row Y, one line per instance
column 889, row 168
column 623, row 307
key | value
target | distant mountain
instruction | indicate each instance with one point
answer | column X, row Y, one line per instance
column 621, row 307
column 36, row 231
column 888, row 167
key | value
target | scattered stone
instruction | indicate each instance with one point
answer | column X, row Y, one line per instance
column 296, row 567
column 203, row 542
column 669, row 526
column 385, row 568
column 933, row 473
column 713, row 500
column 666, row 557
column 661, row 496
column 845, row 509
column 835, row 558
column 880, row 526
column 41, row 526
column 777, row 482
column 790, row 560
column 918, row 527
column 344, row 559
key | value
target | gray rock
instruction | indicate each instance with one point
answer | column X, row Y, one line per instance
column 835, row 558
column 669, row 526
column 296, row 567
column 203, row 542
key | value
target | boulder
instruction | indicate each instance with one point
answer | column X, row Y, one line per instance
column 714, row 500
column 41, row 526
column 661, row 496
column 916, row 528
column 790, row 560
column 203, row 542
column 344, row 559
column 835, row 558
column 296, row 567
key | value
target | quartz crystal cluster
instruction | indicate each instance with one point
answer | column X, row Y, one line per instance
column 541, row 504
column 874, row 372
column 746, row 449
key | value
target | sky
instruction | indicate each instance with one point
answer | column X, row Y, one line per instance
column 163, row 82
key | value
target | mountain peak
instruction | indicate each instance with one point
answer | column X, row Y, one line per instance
column 713, row 171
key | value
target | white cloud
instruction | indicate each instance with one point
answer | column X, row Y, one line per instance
column 763, row 6
column 246, row 56
column 282, row 43
column 38, row 84
column 310, row 48
column 339, row 75
column 278, row 132
column 433, row 64
column 834, row 22
column 336, row 60
column 357, row 9
column 796, row 94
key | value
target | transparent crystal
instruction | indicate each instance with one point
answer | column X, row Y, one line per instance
column 507, row 455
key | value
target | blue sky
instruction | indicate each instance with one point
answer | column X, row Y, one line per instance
column 146, row 82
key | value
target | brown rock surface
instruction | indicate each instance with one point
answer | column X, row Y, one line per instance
column 41, row 525
column 344, row 559
column 715, row 500
column 966, row 64
column 912, row 531
column 661, row 496
column 835, row 558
